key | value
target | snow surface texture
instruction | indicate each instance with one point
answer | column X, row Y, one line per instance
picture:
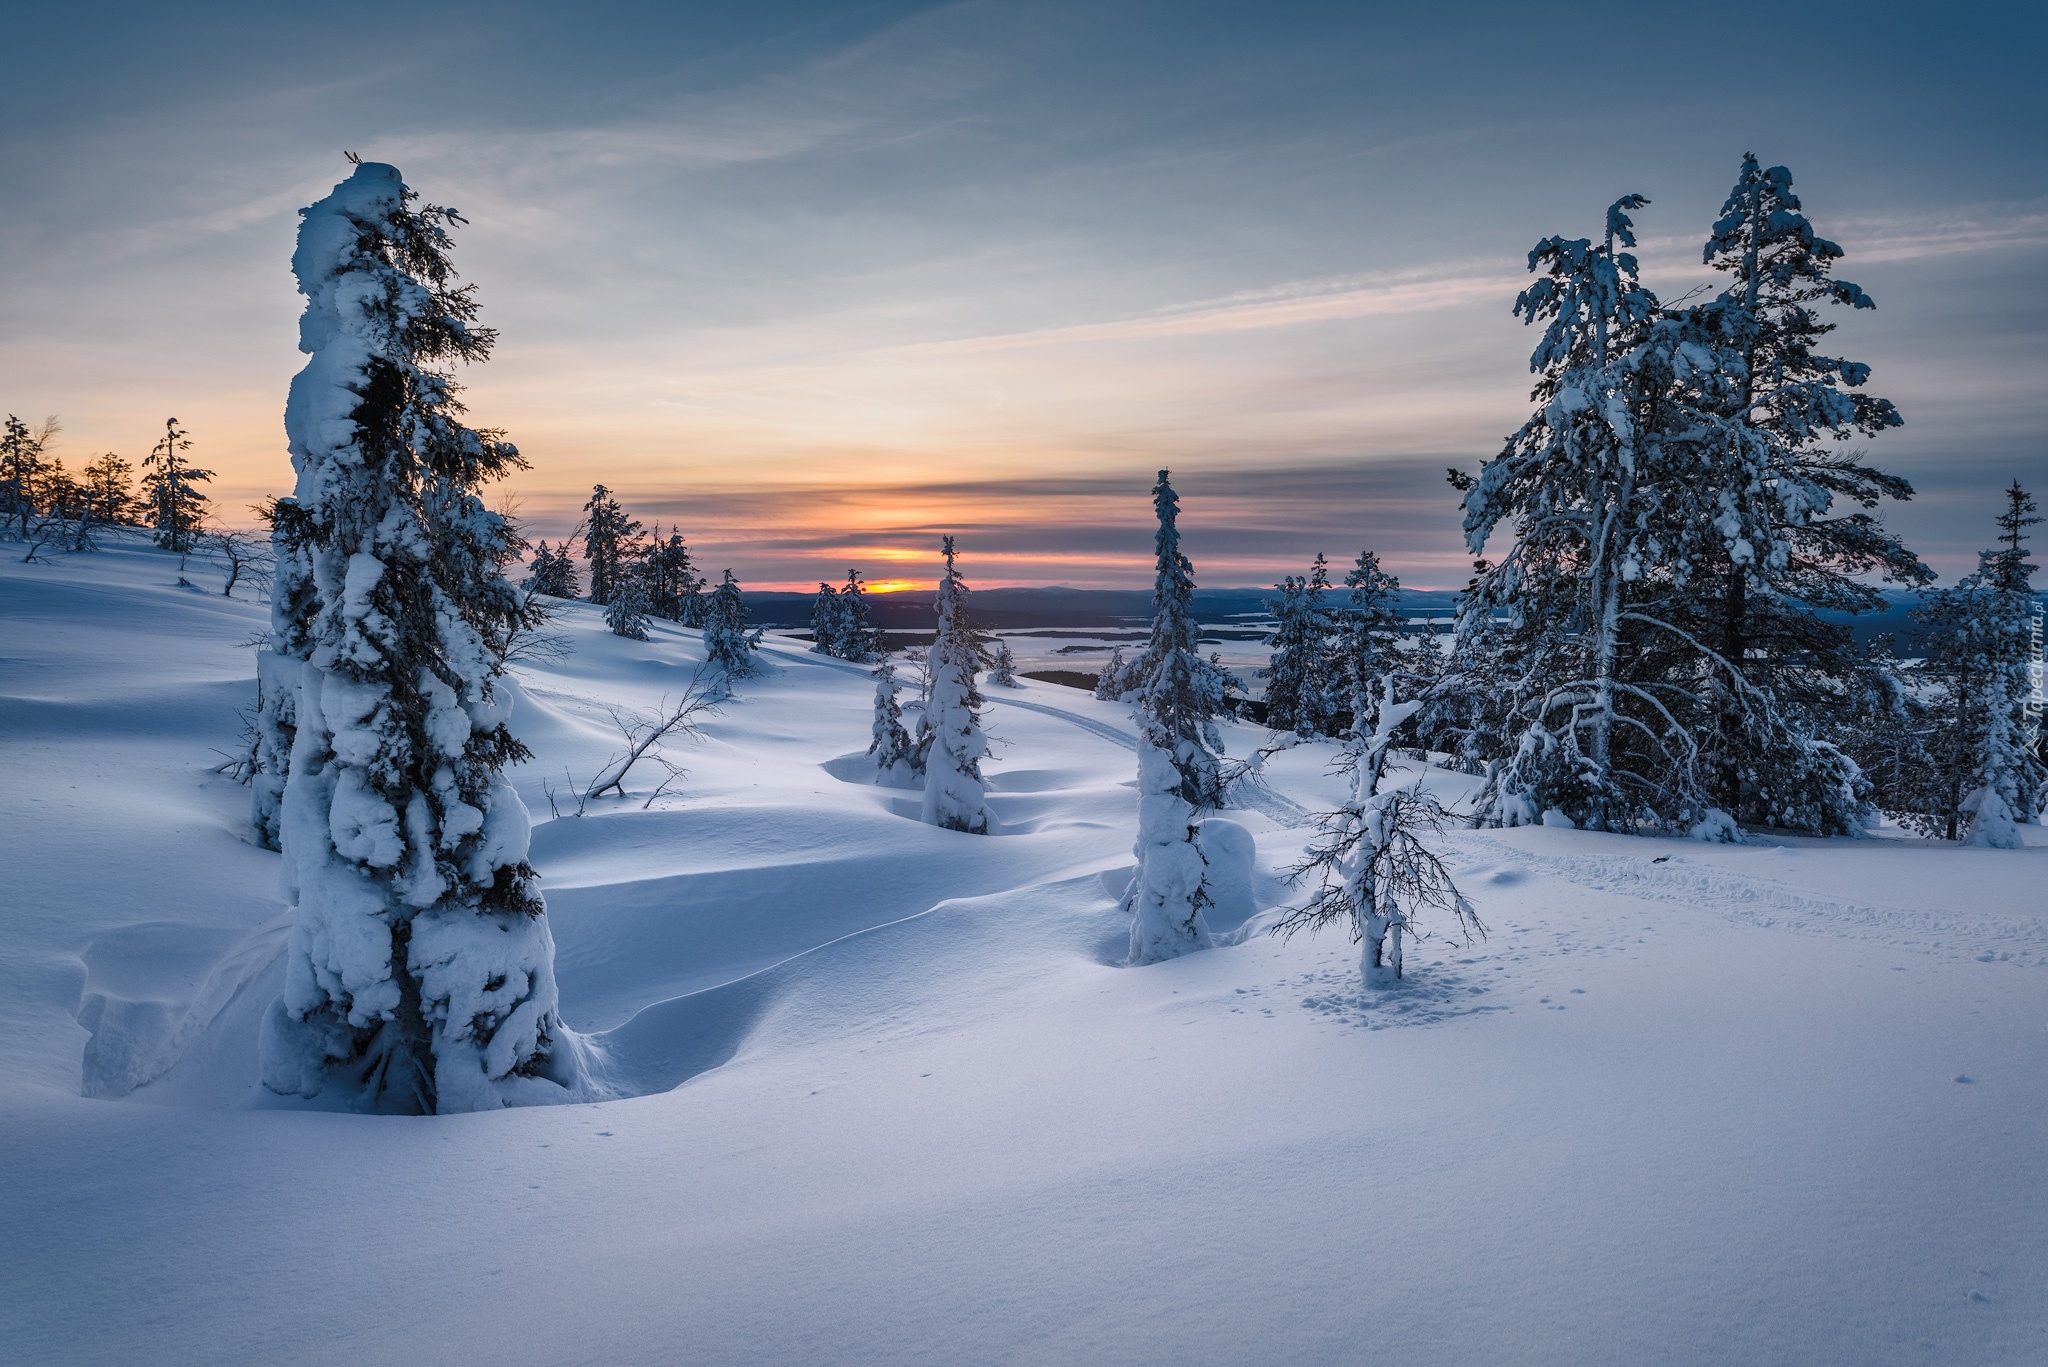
column 1777, row 1102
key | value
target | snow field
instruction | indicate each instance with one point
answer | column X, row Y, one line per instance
column 897, row 1102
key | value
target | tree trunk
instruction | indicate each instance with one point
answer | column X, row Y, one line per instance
column 1734, row 642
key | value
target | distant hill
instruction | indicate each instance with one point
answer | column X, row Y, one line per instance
column 1226, row 612
column 1056, row 607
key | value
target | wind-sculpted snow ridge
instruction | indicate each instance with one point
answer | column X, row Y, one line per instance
column 925, row 973
column 1985, row 938
column 1247, row 792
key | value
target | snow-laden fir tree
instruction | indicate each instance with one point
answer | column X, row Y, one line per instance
column 627, row 612
column 1984, row 776
column 889, row 743
column 294, row 611
column 552, row 573
column 827, row 624
column 1633, row 476
column 419, row 975
column 1178, row 695
column 1762, row 612
column 728, row 645
column 1113, row 681
column 954, row 791
column 176, row 507
column 669, row 575
column 1367, row 638
column 108, row 489
column 1300, row 696
column 1375, row 871
column 608, row 543
column 859, row 641
column 23, row 466
column 1002, row 667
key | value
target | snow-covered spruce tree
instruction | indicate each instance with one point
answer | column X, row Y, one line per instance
column 608, row 539
column 954, row 793
column 419, row 975
column 553, row 573
column 670, row 576
column 1002, row 668
column 859, row 641
column 826, row 624
column 1801, row 405
column 176, row 508
column 1299, row 692
column 1179, row 777
column 1367, row 637
column 626, row 614
column 1374, row 870
column 728, row 645
column 890, row 743
column 108, row 489
column 294, row 608
column 1984, row 775
column 22, row 469
column 1110, row 683
column 1632, row 476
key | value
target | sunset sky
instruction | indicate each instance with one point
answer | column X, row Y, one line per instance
column 817, row 282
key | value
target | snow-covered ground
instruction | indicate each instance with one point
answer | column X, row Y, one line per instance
column 894, row 1101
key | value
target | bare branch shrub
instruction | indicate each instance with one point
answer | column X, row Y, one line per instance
column 1375, row 872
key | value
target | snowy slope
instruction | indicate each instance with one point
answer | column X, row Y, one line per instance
column 887, row 1096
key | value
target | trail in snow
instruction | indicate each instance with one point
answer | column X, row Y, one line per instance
column 1988, row 938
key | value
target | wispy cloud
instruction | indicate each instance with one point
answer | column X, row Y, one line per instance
column 1289, row 305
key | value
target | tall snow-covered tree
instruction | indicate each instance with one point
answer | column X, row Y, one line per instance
column 670, row 576
column 1984, row 774
column 280, row 665
column 954, row 791
column 608, row 543
column 728, row 645
column 626, row 614
column 23, row 467
column 176, row 507
column 1179, row 774
column 1299, row 692
column 1368, row 633
column 1633, row 476
column 2008, row 566
column 827, row 626
column 1114, row 678
column 419, row 975
column 109, row 489
column 1002, row 667
column 860, row 640
column 889, row 743
column 552, row 572
column 1762, row 612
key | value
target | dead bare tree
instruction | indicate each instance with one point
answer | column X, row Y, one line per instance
column 645, row 734
column 529, row 642
column 242, row 555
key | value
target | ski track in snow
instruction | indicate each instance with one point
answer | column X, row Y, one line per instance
column 1769, row 905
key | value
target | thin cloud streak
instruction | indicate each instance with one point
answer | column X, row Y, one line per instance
column 1394, row 297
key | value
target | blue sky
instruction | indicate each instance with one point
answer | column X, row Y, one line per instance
column 821, row 281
